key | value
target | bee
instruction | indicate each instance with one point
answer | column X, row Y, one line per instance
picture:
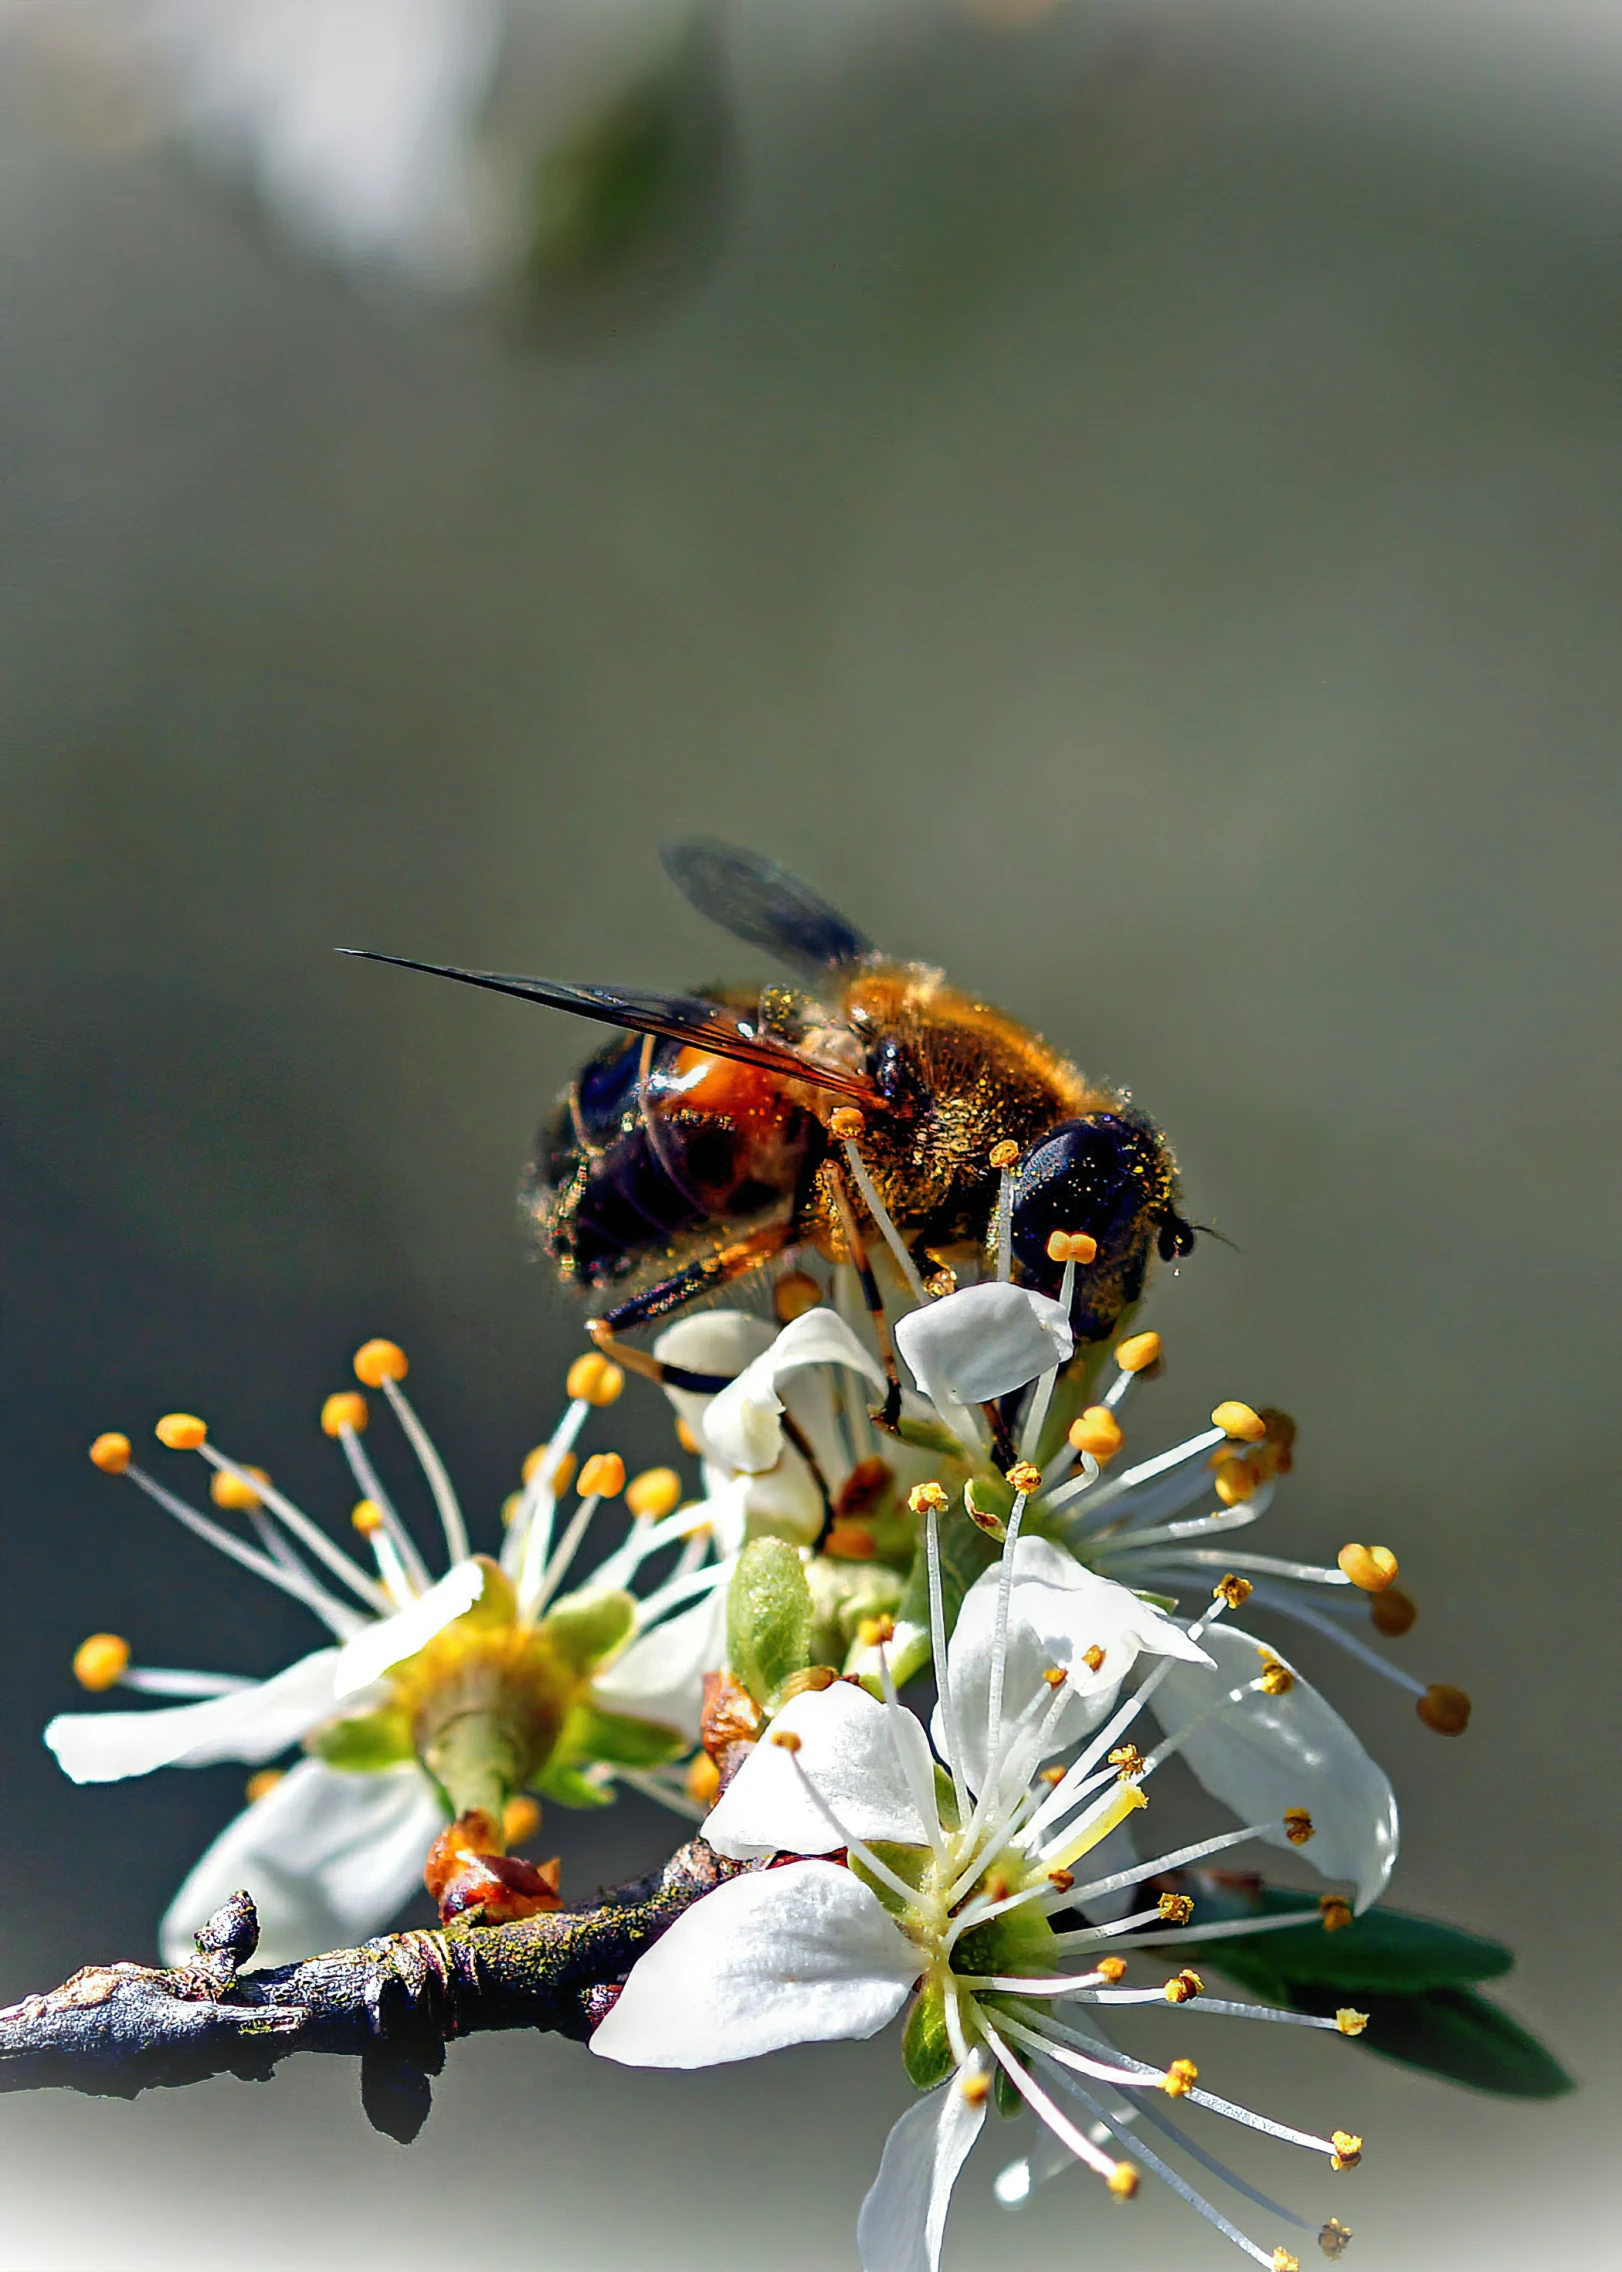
column 721, row 1128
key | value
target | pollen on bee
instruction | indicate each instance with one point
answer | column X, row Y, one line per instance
column 1025, row 1477
column 1350, row 2022
column 1112, row 1969
column 655, row 1492
column 927, row 1499
column 1276, row 1679
column 345, row 1410
column 111, row 1453
column 1444, row 1710
column 1334, row 2238
column 1348, row 2149
column 260, row 1786
column 1176, row 1908
column 1297, row 1825
column 379, row 1361
column 1371, row 1568
column 1093, row 1658
column 101, row 1661
column 228, row 1490
column 785, row 1739
column 520, row 1819
column 603, row 1476
column 1336, row 1912
column 1097, row 1432
column 1239, row 1420
column 593, row 1379
column 1179, row 2078
column 976, row 2088
column 367, row 1517
column 1234, row 1591
column 1123, row 2182
column 1184, row 1986
column 794, row 1294
column 847, row 1124
column 1138, row 1352
column 1003, row 1154
column 181, row 1431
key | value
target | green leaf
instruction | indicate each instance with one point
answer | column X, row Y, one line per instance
column 364, row 1743
column 1384, row 1949
column 1462, row 2037
column 589, row 1733
column 768, row 1618
column 572, row 1789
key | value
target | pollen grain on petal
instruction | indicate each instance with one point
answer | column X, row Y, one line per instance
column 101, row 1661
column 346, row 1409
column 181, row 1431
column 1061, row 1880
column 379, row 1361
column 111, row 1453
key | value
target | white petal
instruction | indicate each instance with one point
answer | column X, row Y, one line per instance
column 848, row 1755
column 743, row 1426
column 251, row 1724
column 983, row 1341
column 329, row 1858
column 805, row 1954
column 904, row 2216
column 392, row 1639
column 661, row 1675
column 1272, row 1752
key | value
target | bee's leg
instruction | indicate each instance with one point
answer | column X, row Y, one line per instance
column 891, row 1410
column 706, row 1276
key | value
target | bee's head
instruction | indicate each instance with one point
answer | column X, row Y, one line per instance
column 1110, row 1175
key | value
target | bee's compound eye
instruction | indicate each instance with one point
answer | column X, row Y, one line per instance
column 1106, row 1177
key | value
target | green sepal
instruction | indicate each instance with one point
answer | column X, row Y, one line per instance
column 929, row 1436
column 769, row 1619
column 585, row 1628
column 617, row 1738
column 910, row 1863
column 1004, row 2097
column 364, row 1743
column 926, row 2048
column 570, row 1788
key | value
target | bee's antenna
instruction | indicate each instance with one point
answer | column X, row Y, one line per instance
column 1210, row 1231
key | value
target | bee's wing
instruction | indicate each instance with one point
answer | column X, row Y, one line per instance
column 689, row 1018
column 757, row 900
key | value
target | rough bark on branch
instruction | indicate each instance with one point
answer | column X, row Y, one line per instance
column 394, row 2003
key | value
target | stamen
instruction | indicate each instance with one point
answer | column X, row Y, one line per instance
column 111, row 1453
column 101, row 1661
column 1240, row 1422
column 1445, row 1710
column 847, row 1125
column 309, row 1534
column 1371, row 1568
column 1188, row 1455
column 433, row 1468
column 1040, row 2104
column 654, row 1493
column 339, row 1619
column 1003, row 1157
column 529, row 1540
column 411, row 1567
column 790, row 1742
column 372, row 1522
column 1097, row 1433
column 937, row 1643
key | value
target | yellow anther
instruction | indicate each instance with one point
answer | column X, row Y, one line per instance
column 1093, row 1658
column 101, row 1662
column 1176, row 1908
column 1054, row 1676
column 1061, row 1880
column 228, row 1490
column 1297, row 1825
column 1179, row 2078
column 1098, row 1432
column 1234, row 1481
column 785, row 1739
column 793, row 1295
column 345, row 1410
column 367, row 1517
column 1127, row 1761
column 1138, row 1352
column 1052, row 1776
column 1370, row 1567
column 520, row 1819
column 111, row 1453
column 593, row 1379
column 1183, row 1987
column 603, row 1476
column 1239, row 1421
column 655, row 1492
column 1072, row 1246
column 1444, row 1710
column 1348, row 2149
column 703, row 1780
column 1276, row 1679
column 1112, row 1969
column 1283, row 2261
column 1350, row 2022
column 1392, row 1613
column 976, row 2088
column 1123, row 2182
column 261, row 1785
column 509, row 1508
column 1004, row 1154
column 687, row 1440
column 181, row 1431
column 847, row 1124
column 1234, row 1591
column 1336, row 1911
column 810, row 1680
column 561, row 1474
column 1025, row 1477
column 380, row 1361
column 1334, row 2238
column 927, row 1499
column 875, row 1632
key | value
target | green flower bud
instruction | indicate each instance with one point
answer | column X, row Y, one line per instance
column 768, row 1619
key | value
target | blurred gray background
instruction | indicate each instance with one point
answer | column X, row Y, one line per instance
column 1128, row 505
